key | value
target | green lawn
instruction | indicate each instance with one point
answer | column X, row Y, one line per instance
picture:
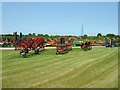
column 97, row 68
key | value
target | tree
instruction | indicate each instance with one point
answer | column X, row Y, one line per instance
column 40, row 35
column 99, row 35
column 46, row 35
column 34, row 34
column 110, row 35
column 29, row 34
column 85, row 36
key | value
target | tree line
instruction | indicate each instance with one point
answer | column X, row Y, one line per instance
column 98, row 36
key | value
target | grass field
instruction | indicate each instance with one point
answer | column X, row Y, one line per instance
column 97, row 68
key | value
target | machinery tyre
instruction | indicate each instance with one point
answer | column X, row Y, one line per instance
column 57, row 53
column 37, row 51
column 90, row 48
column 23, row 54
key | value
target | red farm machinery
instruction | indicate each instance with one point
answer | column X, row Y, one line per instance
column 86, row 46
column 63, row 45
column 27, row 44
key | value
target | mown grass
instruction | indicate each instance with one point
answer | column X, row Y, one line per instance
column 97, row 68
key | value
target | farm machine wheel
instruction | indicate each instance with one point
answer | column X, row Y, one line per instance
column 90, row 48
column 23, row 53
column 36, row 51
column 57, row 53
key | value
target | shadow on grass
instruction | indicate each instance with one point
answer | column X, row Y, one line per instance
column 28, row 55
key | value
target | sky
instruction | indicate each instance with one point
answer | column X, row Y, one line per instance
column 60, row 18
